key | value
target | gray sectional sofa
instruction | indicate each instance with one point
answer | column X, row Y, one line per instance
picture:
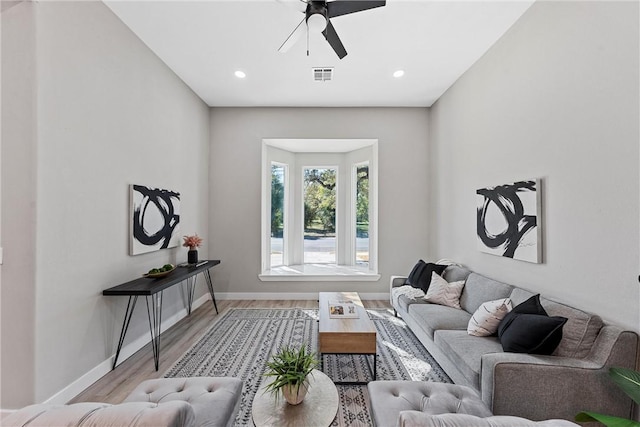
column 574, row 378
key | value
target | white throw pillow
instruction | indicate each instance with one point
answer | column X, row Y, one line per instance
column 444, row 293
column 487, row 317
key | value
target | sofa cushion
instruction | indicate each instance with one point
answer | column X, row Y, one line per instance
column 465, row 351
column 579, row 333
column 479, row 289
column 532, row 333
column 484, row 322
column 433, row 317
column 442, row 292
column 404, row 302
column 519, row 295
column 455, row 273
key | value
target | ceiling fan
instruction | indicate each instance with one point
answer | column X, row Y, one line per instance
column 317, row 15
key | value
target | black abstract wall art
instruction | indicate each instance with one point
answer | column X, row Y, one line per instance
column 155, row 219
column 509, row 220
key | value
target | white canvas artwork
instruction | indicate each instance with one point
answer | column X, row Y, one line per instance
column 509, row 220
column 155, row 219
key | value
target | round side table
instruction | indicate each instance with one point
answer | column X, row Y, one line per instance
column 318, row 408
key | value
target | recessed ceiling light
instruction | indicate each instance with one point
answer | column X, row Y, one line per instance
column 398, row 74
column 240, row 74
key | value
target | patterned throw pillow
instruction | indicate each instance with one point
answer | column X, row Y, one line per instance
column 444, row 293
column 487, row 317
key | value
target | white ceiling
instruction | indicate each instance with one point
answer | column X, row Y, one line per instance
column 205, row 42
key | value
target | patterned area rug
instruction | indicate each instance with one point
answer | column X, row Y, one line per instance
column 241, row 341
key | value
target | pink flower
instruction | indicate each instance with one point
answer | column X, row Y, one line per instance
column 192, row 242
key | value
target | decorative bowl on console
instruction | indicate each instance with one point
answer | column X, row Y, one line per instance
column 157, row 273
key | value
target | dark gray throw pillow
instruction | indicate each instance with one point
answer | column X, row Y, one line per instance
column 532, row 333
column 424, row 280
column 530, row 306
column 416, row 271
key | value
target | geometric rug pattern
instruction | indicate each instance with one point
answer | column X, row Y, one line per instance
column 241, row 341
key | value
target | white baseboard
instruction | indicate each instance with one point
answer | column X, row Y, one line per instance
column 292, row 296
column 79, row 385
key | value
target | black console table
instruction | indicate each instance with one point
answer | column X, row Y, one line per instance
column 152, row 291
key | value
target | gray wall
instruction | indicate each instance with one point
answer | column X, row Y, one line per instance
column 109, row 113
column 555, row 98
column 236, row 149
column 18, row 179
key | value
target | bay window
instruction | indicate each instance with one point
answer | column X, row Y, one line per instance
column 319, row 209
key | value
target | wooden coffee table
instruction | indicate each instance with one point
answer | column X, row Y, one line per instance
column 318, row 408
column 346, row 335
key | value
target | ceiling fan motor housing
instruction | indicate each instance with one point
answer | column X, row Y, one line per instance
column 317, row 15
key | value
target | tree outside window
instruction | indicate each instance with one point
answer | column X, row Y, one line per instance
column 319, row 215
column 277, row 214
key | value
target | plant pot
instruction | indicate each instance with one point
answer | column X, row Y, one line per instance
column 192, row 256
column 294, row 394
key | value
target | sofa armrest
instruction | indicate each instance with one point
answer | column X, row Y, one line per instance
column 511, row 381
column 395, row 282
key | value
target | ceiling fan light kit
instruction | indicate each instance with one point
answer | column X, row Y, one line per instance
column 316, row 23
column 318, row 14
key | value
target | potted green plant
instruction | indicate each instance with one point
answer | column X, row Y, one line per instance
column 289, row 368
column 629, row 381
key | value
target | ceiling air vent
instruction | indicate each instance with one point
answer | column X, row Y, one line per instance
column 324, row 74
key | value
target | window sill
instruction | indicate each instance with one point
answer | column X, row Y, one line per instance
column 319, row 273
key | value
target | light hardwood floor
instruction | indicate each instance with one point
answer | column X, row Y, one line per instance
column 117, row 384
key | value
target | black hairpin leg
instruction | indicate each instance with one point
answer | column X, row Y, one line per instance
column 154, row 311
column 207, row 276
column 125, row 326
column 191, row 289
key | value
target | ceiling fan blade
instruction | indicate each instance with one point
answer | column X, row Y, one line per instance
column 344, row 7
column 334, row 41
column 299, row 5
column 293, row 37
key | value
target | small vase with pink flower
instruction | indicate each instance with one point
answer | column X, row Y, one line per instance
column 192, row 242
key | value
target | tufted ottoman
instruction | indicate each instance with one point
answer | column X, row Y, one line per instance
column 427, row 404
column 389, row 398
column 215, row 400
